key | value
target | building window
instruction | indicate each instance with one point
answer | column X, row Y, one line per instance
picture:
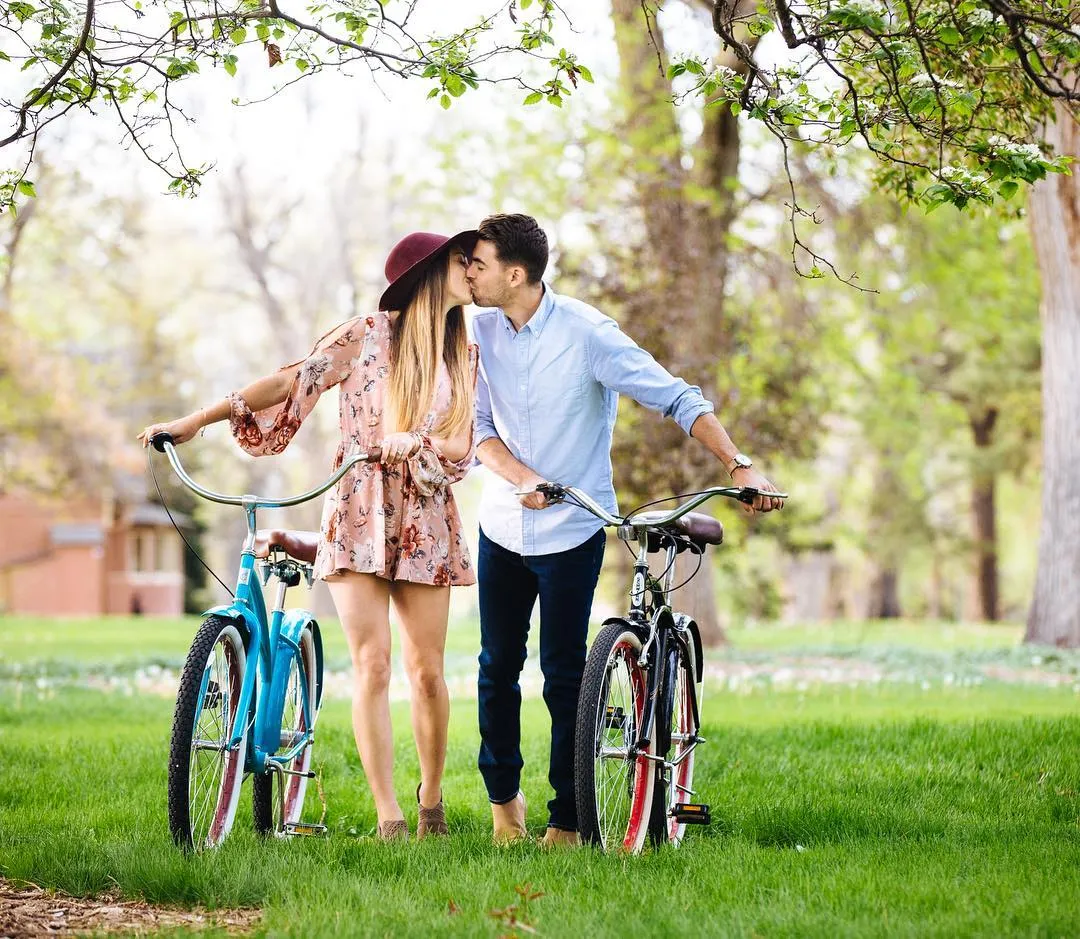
column 142, row 550
column 168, row 557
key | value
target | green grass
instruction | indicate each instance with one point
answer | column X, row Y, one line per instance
column 891, row 809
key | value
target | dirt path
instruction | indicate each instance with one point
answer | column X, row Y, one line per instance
column 26, row 910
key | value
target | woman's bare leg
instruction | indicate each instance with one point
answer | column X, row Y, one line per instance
column 424, row 610
column 362, row 602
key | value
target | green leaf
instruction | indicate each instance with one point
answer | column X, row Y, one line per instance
column 444, row 102
column 27, row 188
column 585, row 73
column 229, row 62
column 950, row 35
column 238, row 35
column 263, row 32
column 303, row 64
column 535, row 98
column 1008, row 189
column 455, row 85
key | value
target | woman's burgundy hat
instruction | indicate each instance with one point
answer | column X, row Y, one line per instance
column 409, row 258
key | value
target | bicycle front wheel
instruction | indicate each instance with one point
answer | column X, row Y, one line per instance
column 205, row 773
column 614, row 780
column 277, row 798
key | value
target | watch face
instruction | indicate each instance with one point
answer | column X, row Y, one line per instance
column 741, row 459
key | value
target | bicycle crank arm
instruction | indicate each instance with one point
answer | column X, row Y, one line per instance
column 295, row 772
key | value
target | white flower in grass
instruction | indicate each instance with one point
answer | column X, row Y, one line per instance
column 980, row 17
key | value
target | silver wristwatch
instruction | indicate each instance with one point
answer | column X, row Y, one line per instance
column 739, row 461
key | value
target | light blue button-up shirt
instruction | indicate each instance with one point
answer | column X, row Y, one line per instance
column 551, row 392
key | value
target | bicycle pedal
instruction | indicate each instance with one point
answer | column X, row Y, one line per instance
column 691, row 813
column 614, row 717
column 212, row 697
column 305, row 829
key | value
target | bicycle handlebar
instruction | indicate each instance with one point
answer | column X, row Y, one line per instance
column 555, row 492
column 163, row 443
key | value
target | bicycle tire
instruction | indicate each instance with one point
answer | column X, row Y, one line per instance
column 265, row 802
column 668, row 793
column 611, row 708
column 203, row 791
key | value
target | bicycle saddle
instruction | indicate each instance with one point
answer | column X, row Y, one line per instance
column 701, row 530
column 300, row 545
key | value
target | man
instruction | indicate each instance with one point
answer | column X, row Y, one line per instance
column 551, row 370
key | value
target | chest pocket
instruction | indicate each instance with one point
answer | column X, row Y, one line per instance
column 557, row 383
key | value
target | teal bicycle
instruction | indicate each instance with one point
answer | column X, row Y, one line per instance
column 251, row 687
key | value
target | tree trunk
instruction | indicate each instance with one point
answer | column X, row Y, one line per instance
column 984, row 518
column 884, row 602
column 676, row 307
column 1054, row 618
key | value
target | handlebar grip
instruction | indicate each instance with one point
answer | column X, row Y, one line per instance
column 159, row 440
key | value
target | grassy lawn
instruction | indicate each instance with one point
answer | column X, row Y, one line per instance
column 893, row 808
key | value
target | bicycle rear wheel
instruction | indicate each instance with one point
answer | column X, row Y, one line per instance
column 614, row 781
column 267, row 798
column 669, row 791
column 205, row 774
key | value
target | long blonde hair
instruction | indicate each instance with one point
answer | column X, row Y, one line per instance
column 423, row 335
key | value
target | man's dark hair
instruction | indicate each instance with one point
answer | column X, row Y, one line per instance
column 518, row 239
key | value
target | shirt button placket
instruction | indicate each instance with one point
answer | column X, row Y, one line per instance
column 525, row 439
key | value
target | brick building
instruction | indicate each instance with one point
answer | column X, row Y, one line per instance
column 113, row 554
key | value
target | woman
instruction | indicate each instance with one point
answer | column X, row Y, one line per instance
column 390, row 531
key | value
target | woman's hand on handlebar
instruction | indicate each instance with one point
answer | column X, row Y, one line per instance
column 182, row 430
column 396, row 448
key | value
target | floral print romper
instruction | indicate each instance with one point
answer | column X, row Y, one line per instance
column 377, row 519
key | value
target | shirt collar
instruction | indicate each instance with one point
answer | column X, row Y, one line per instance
column 539, row 318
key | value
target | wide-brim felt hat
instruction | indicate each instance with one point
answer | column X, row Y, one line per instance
column 410, row 257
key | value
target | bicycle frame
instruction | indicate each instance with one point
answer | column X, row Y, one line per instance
column 271, row 640
column 650, row 612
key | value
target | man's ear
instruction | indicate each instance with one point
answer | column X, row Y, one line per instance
column 518, row 277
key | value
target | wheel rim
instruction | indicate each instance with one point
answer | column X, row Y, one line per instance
column 617, row 773
column 213, row 778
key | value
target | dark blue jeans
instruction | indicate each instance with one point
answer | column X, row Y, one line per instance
column 509, row 585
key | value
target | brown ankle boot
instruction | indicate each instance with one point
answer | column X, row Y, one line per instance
column 430, row 821
column 509, row 820
column 396, row 830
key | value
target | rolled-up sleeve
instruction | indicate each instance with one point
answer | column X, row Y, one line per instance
column 485, row 423
column 619, row 363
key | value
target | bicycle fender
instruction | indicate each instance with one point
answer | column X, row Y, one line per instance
column 699, row 656
column 292, row 626
column 242, row 615
column 641, row 631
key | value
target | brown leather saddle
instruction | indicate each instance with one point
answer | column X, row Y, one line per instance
column 300, row 545
column 693, row 531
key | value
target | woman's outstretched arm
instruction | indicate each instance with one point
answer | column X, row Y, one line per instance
column 262, row 393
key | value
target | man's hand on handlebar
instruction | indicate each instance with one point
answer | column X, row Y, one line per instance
column 528, row 495
column 750, row 478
